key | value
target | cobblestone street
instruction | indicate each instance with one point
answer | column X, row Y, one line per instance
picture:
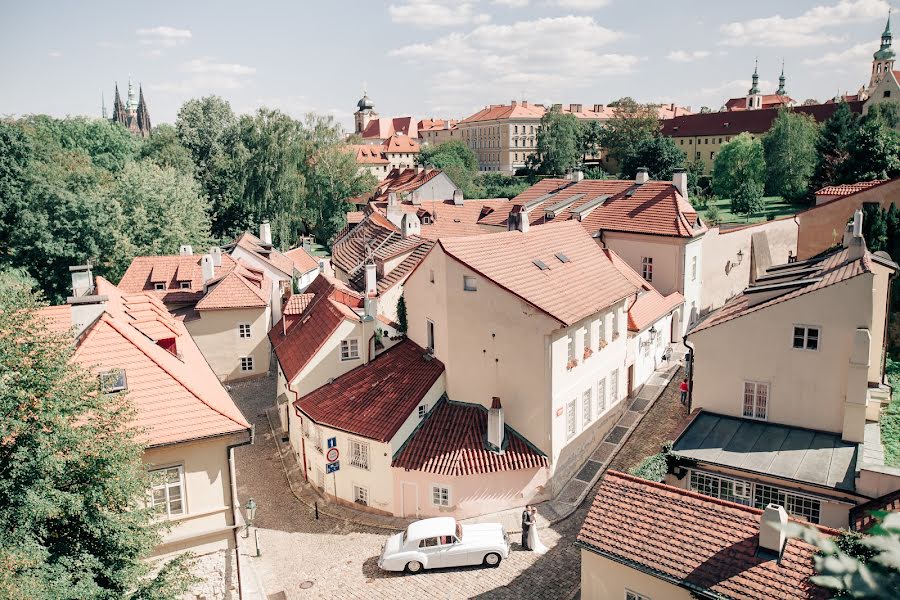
column 330, row 558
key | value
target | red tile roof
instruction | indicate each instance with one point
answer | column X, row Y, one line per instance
column 768, row 101
column 298, row 337
column 654, row 208
column 432, row 124
column 861, row 517
column 567, row 291
column 57, row 318
column 276, row 259
column 242, row 287
column 693, row 541
column 401, row 143
column 729, row 123
column 448, row 219
column 369, row 154
column 373, row 400
column 451, row 441
column 525, row 110
column 297, row 303
column 177, row 397
column 403, row 181
column 384, row 128
column 845, row 189
column 650, row 306
column 303, row 261
column 144, row 271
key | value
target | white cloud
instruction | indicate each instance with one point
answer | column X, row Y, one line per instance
column 205, row 74
column 808, row 29
column 157, row 39
column 512, row 3
column 54, row 54
column 436, row 13
column 715, row 96
column 856, row 58
column 581, row 4
column 686, row 56
column 206, row 65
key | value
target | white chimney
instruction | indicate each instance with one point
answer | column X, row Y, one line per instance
column 206, row 268
column 679, row 180
column 458, row 198
column 517, row 219
column 410, row 225
column 186, row 250
column 642, row 175
column 82, row 280
column 772, row 524
column 576, row 175
column 371, row 280
column 265, row 232
column 392, row 198
column 857, row 243
column 216, row 254
column 86, row 306
column 495, row 426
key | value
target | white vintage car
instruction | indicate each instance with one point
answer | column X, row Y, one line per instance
column 442, row 542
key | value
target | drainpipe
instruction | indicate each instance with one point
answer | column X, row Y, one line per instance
column 235, row 508
column 887, row 323
column 689, row 367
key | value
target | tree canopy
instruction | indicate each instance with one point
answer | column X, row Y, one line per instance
column 559, row 142
column 740, row 161
column 659, row 154
column 790, row 153
column 631, row 124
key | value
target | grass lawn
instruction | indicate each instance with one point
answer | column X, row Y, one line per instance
column 776, row 207
column 890, row 417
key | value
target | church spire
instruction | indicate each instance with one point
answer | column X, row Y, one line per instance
column 780, row 91
column 118, row 108
column 143, row 115
column 755, row 88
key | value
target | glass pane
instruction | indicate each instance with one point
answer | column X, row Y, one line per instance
column 175, row 492
column 159, row 497
column 172, row 476
column 175, row 507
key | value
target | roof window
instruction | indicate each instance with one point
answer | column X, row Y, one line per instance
column 562, row 257
column 113, row 380
column 540, row 264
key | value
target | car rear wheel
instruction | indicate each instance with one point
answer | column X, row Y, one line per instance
column 491, row 560
column 413, row 567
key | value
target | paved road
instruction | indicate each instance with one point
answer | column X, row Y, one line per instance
column 339, row 559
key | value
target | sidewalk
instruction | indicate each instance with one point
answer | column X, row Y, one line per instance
column 570, row 497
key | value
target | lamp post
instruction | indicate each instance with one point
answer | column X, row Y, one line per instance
column 250, row 507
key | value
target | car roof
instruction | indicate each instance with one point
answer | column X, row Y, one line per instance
column 431, row 528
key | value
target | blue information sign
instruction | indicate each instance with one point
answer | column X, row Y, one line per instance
column 332, row 442
column 332, row 467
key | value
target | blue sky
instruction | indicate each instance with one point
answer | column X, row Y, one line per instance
column 426, row 57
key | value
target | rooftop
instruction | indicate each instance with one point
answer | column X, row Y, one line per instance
column 269, row 254
column 845, row 189
column 699, row 543
column 383, row 128
column 374, row 399
column 861, row 517
column 443, row 218
column 242, row 287
column 303, row 261
column 650, row 305
column 145, row 272
column 768, row 101
column 728, row 123
column 803, row 455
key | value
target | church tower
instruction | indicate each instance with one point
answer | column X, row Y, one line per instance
column 754, row 98
column 365, row 112
column 883, row 59
column 132, row 115
column 781, row 91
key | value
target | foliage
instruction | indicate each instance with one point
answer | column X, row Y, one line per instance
column 712, row 215
column 834, row 146
column 886, row 112
column 890, row 416
column 16, row 155
column 401, row 314
column 738, row 162
column 790, row 153
column 698, row 183
column 596, row 173
column 558, row 143
column 164, row 149
column 498, row 185
column 875, row 152
column 654, row 467
column 590, row 134
column 659, row 154
column 630, row 124
column 72, row 482
column 457, row 160
column 109, row 145
column 748, row 199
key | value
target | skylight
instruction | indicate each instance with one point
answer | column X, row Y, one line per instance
column 540, row 264
column 562, row 257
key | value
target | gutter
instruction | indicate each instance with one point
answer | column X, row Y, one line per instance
column 229, row 452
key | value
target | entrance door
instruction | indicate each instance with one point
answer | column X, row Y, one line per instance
column 409, row 499
column 630, row 380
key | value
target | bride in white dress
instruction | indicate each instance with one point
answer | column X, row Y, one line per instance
column 534, row 541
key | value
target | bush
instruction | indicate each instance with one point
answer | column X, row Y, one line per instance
column 713, row 214
column 655, row 467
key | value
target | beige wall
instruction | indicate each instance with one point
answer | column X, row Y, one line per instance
column 807, row 388
column 648, row 349
column 875, row 481
column 605, row 579
column 708, row 147
column 327, row 363
column 216, row 334
column 886, row 91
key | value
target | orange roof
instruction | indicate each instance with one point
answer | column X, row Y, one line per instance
column 433, row 124
column 693, row 541
column 384, row 128
column 526, row 110
column 578, row 279
column 446, row 219
column 845, row 189
column 303, row 261
column 297, row 303
column 368, row 154
column 355, row 216
column 239, row 288
column 276, row 259
column 401, row 143
column 57, row 318
column 145, row 271
column 768, row 101
column 403, row 180
column 650, row 306
column 654, row 208
column 177, row 396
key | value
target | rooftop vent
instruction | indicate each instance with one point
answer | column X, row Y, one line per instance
column 540, row 264
column 562, row 257
column 585, row 209
column 553, row 211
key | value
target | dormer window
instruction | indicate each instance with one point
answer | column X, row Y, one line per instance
column 113, row 380
column 159, row 286
column 185, row 285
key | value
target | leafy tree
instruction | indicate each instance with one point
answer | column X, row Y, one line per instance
column 790, row 152
column 109, row 145
column 596, row 173
column 558, row 143
column 457, row 160
column 16, row 154
column 630, row 124
column 698, row 183
column 887, row 112
column 810, row 102
column 875, row 226
column 659, row 154
column 875, row 152
column 402, row 321
column 590, row 134
column 72, row 483
column 740, row 160
column 748, row 199
column 164, row 149
column 835, row 142
column 498, row 185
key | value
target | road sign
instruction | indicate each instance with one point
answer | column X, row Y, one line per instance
column 331, row 455
column 332, row 442
column 332, row 467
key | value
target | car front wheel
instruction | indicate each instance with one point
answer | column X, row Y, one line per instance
column 491, row 560
column 413, row 567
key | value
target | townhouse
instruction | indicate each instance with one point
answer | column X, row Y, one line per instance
column 295, row 268
column 189, row 424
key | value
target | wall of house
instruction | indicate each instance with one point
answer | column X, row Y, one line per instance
column 412, row 421
column 886, row 91
column 470, row 495
column 821, row 227
column 648, row 349
column 307, row 278
column 401, row 160
column 387, row 302
column 206, row 525
column 216, row 334
column 724, row 273
column 439, row 187
column 875, row 481
column 327, row 363
column 880, row 290
column 703, row 147
column 605, row 579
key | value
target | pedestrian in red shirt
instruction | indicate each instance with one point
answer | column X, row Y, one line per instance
column 684, row 391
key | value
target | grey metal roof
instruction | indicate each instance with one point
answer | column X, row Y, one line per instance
column 804, row 455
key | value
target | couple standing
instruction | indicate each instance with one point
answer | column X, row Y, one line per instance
column 530, row 539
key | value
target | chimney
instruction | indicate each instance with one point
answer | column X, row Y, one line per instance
column 410, row 225
column 86, row 306
column 517, row 219
column 679, row 180
column 265, row 232
column 186, row 250
column 82, row 280
column 771, row 531
column 513, row 103
column 525, row 103
column 206, row 268
column 642, row 175
column 556, row 106
column 458, row 197
column 598, row 108
column 575, row 108
column 420, row 169
column 216, row 254
column 857, row 243
column 575, row 175
column 495, row 426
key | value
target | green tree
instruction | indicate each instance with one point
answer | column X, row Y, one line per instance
column 457, row 161
column 558, row 146
column 590, row 134
column 790, row 152
column 659, row 154
column 16, row 155
column 748, row 199
column 833, row 147
column 740, row 160
column 109, row 145
column 886, row 112
column 630, row 124
column 498, row 185
column 402, row 321
column 72, row 483
column 875, row 152
column 164, row 148
column 875, row 227
column 698, row 183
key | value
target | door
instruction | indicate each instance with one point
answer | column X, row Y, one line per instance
column 409, row 499
column 630, row 380
column 453, row 552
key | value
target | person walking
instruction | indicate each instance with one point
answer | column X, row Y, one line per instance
column 684, row 391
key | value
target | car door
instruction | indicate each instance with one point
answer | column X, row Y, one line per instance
column 431, row 550
column 454, row 553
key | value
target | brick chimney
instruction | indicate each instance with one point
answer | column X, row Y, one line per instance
column 216, row 254
column 598, row 108
column 772, row 537
column 496, row 429
column 642, row 175
column 513, row 103
column 575, row 108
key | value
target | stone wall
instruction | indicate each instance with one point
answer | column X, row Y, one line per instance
column 218, row 578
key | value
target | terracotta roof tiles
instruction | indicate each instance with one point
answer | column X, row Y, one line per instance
column 145, row 271
column 861, row 515
column 253, row 244
column 730, row 123
column 239, row 288
column 303, row 261
column 845, row 189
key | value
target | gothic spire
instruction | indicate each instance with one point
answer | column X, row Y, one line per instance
column 143, row 116
column 781, row 80
column 118, row 108
column 755, row 88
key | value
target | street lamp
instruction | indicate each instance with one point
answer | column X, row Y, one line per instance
column 250, row 507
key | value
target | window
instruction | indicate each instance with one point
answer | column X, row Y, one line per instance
column 423, row 410
column 602, row 331
column 756, row 494
column 614, row 386
column 723, row 488
column 647, row 268
column 712, row 155
column 113, row 381
column 185, row 285
column 167, row 491
column 615, row 321
column 246, row 363
column 571, row 418
column 887, row 94
column 797, row 505
column 586, row 408
column 159, row 286
column 350, row 349
column 806, row 338
column 601, row 396
column 429, row 326
column 361, row 495
column 756, row 399
column 693, row 268
column 469, row 284
column 320, row 478
column 697, row 155
column 629, row 595
column 243, row 330
column 440, row 495
column 317, row 441
column 571, row 341
column 359, row 454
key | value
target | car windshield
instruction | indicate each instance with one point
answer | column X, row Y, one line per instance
column 459, row 532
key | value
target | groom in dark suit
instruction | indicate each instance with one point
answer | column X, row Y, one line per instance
column 526, row 527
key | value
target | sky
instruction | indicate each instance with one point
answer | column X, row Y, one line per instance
column 426, row 58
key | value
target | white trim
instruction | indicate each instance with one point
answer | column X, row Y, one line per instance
column 635, row 595
column 181, row 485
column 350, row 356
column 756, row 398
column 241, row 335
column 249, row 362
column 806, row 329
column 441, row 486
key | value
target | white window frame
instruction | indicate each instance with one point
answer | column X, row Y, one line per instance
column 601, row 397
column 601, row 332
column 647, row 268
column 113, row 380
column 159, row 287
column 755, row 406
column 349, row 349
column 440, row 495
column 470, row 284
column 587, row 407
column 422, row 411
column 806, row 337
column 360, row 495
column 632, row 595
column 614, row 386
column 571, row 418
column 359, row 454
column 571, row 351
column 166, row 487
column 750, row 489
column 429, row 332
column 246, row 363
column 184, row 285
column 244, row 328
